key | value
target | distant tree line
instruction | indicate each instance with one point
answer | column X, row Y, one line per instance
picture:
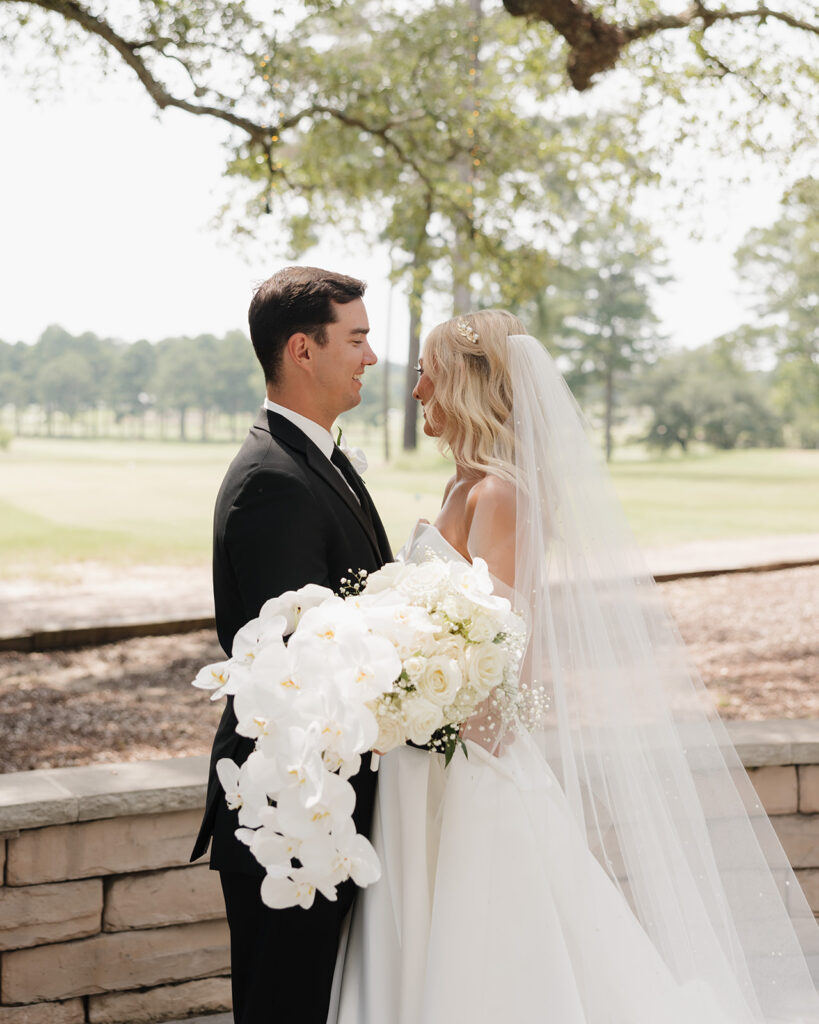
column 755, row 387
column 184, row 387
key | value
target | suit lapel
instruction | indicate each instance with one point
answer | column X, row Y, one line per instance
column 284, row 430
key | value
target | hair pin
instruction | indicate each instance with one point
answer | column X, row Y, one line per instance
column 467, row 331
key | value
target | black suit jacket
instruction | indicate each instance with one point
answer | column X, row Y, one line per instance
column 284, row 517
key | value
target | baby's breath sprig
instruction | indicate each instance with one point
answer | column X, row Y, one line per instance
column 353, row 584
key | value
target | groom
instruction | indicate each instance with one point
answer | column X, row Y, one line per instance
column 291, row 511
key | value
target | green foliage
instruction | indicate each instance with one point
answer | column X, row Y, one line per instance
column 700, row 395
column 781, row 264
column 440, row 134
column 595, row 314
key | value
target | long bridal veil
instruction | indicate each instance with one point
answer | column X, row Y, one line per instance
column 645, row 762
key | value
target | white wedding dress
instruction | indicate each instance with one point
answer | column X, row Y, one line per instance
column 491, row 907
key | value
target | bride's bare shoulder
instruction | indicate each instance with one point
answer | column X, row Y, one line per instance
column 494, row 496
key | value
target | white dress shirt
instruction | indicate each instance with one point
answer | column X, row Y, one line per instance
column 320, row 436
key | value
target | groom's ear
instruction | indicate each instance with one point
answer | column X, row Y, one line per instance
column 298, row 351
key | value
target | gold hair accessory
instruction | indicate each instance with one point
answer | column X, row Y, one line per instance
column 468, row 332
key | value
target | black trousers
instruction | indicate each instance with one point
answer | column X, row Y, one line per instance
column 282, row 961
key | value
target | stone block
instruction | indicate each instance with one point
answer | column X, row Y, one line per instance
column 113, row 961
column 71, row 1012
column 33, row 799
column 33, row 915
column 208, row 995
column 140, row 787
column 809, row 881
column 799, row 835
column 112, row 846
column 777, row 788
column 782, row 741
column 809, row 788
column 163, row 897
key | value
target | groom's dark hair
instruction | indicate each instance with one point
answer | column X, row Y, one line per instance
column 294, row 300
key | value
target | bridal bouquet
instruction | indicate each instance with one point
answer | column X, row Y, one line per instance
column 409, row 653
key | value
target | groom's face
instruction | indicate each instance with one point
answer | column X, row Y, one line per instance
column 340, row 364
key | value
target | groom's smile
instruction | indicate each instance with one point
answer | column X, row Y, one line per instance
column 341, row 362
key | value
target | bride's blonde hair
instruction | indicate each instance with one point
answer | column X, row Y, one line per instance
column 468, row 363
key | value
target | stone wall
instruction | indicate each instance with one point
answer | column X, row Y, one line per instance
column 103, row 920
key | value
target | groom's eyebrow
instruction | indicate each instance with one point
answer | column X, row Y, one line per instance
column 360, row 330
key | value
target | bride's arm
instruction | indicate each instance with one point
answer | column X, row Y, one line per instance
column 491, row 513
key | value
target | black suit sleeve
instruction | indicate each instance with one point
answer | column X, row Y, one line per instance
column 276, row 539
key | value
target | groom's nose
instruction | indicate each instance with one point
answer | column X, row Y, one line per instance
column 369, row 357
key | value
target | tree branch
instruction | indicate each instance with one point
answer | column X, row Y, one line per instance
column 596, row 45
column 96, row 25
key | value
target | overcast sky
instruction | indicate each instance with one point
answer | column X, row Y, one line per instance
column 105, row 225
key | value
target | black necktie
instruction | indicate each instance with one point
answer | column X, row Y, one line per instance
column 339, row 459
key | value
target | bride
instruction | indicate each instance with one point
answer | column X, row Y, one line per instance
column 608, row 862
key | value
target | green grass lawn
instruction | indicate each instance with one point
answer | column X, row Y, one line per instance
column 128, row 502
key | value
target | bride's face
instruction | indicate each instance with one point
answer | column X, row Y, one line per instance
column 422, row 393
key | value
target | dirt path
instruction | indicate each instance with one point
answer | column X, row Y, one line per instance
column 753, row 637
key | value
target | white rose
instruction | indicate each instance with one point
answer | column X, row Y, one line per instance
column 454, row 646
column 482, row 627
column 440, row 680
column 455, row 607
column 385, row 577
column 425, row 584
column 414, row 668
column 485, row 664
column 422, row 718
column 390, row 733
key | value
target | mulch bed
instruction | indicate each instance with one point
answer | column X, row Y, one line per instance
column 752, row 636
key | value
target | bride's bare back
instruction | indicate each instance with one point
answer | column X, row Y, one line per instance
column 477, row 518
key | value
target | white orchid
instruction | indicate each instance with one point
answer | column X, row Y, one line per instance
column 346, row 855
column 475, row 584
column 279, row 893
column 292, row 605
column 271, row 849
column 241, row 792
column 264, row 702
column 214, row 677
column 336, row 804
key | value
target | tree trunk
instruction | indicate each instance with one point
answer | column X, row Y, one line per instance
column 609, row 404
column 410, row 405
column 418, row 280
column 467, row 173
column 182, row 413
column 385, row 389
